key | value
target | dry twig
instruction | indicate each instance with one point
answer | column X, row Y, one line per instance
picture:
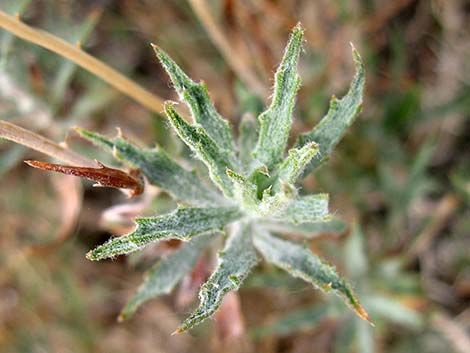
column 41, row 144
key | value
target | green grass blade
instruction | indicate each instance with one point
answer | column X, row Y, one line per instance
column 276, row 121
column 195, row 95
column 181, row 224
column 159, row 168
column 235, row 262
column 216, row 159
column 302, row 263
column 342, row 113
column 166, row 273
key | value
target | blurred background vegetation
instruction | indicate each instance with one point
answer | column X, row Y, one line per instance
column 400, row 178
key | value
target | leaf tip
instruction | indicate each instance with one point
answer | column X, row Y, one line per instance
column 159, row 52
column 91, row 256
column 30, row 163
column 356, row 57
column 178, row 331
column 298, row 29
column 123, row 316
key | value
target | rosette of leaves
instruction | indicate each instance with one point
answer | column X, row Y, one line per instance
column 252, row 190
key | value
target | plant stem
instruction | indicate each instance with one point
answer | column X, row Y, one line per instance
column 41, row 144
column 75, row 54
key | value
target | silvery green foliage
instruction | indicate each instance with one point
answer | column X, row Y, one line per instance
column 235, row 262
column 276, row 121
column 251, row 194
column 300, row 262
column 182, row 224
column 328, row 132
column 166, row 273
column 159, row 168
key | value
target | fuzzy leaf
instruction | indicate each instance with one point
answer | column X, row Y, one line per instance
column 276, row 121
column 181, row 224
column 196, row 97
column 235, row 262
column 329, row 131
column 159, row 168
column 295, row 163
column 308, row 230
column 311, row 208
column 301, row 262
column 247, row 140
column 244, row 190
column 276, row 205
column 206, row 149
column 166, row 273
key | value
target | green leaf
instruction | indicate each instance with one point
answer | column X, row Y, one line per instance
column 308, row 230
column 301, row 262
column 181, row 224
column 244, row 191
column 197, row 98
column 216, row 159
column 166, row 273
column 235, row 262
column 311, row 208
column 276, row 121
column 247, row 140
column 329, row 131
column 295, row 163
column 159, row 168
column 275, row 205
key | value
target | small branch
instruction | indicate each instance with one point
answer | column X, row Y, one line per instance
column 222, row 44
column 82, row 59
column 41, row 144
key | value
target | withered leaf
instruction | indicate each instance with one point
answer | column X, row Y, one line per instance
column 103, row 175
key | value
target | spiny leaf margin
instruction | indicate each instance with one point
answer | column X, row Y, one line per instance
column 276, row 121
column 166, row 273
column 235, row 262
column 341, row 114
column 195, row 95
column 159, row 168
column 300, row 262
column 182, row 224
column 206, row 149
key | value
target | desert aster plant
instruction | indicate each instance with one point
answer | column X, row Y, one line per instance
column 251, row 193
